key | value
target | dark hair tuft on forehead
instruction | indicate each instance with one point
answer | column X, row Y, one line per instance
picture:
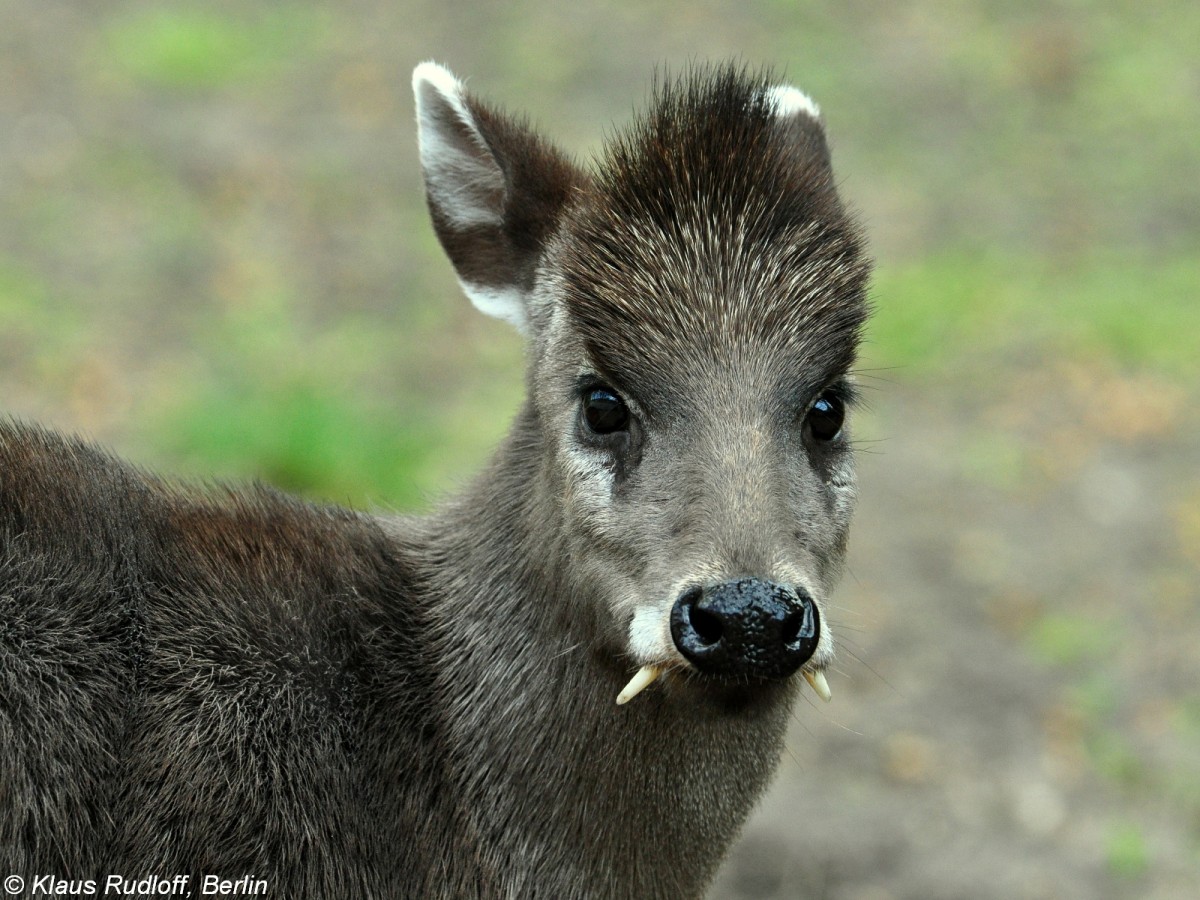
column 715, row 215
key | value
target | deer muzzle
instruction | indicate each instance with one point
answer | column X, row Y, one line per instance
column 746, row 629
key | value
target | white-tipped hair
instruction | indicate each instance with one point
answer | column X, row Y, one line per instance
column 788, row 101
column 442, row 80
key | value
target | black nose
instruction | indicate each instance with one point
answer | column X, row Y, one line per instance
column 746, row 628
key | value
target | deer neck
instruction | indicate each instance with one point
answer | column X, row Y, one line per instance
column 563, row 786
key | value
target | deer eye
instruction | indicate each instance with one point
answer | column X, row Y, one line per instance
column 604, row 411
column 826, row 416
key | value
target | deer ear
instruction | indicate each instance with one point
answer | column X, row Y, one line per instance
column 800, row 118
column 496, row 192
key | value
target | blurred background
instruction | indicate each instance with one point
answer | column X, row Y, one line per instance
column 214, row 257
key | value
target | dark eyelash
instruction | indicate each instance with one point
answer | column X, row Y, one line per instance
column 845, row 391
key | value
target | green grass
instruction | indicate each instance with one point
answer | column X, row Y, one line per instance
column 36, row 326
column 299, row 436
column 1127, row 853
column 195, row 47
column 958, row 309
column 303, row 408
column 1069, row 638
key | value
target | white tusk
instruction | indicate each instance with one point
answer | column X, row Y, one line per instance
column 643, row 679
column 818, row 682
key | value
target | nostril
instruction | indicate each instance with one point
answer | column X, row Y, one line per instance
column 707, row 625
column 790, row 629
column 698, row 632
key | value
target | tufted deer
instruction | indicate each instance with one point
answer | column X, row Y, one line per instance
column 237, row 683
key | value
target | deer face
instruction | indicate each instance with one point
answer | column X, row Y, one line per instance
column 692, row 309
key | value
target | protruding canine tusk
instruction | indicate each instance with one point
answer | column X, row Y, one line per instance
column 643, row 679
column 818, row 682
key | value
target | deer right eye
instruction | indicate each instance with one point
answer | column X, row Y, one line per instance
column 826, row 416
column 604, row 411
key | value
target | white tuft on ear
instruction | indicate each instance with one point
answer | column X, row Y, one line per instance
column 788, row 102
column 461, row 174
column 442, row 80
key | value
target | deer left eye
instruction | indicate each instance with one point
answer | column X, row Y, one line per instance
column 604, row 411
column 826, row 416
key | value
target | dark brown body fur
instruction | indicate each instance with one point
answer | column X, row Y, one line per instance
column 241, row 683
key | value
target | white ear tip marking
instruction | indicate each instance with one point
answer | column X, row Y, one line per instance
column 789, row 101
column 436, row 76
